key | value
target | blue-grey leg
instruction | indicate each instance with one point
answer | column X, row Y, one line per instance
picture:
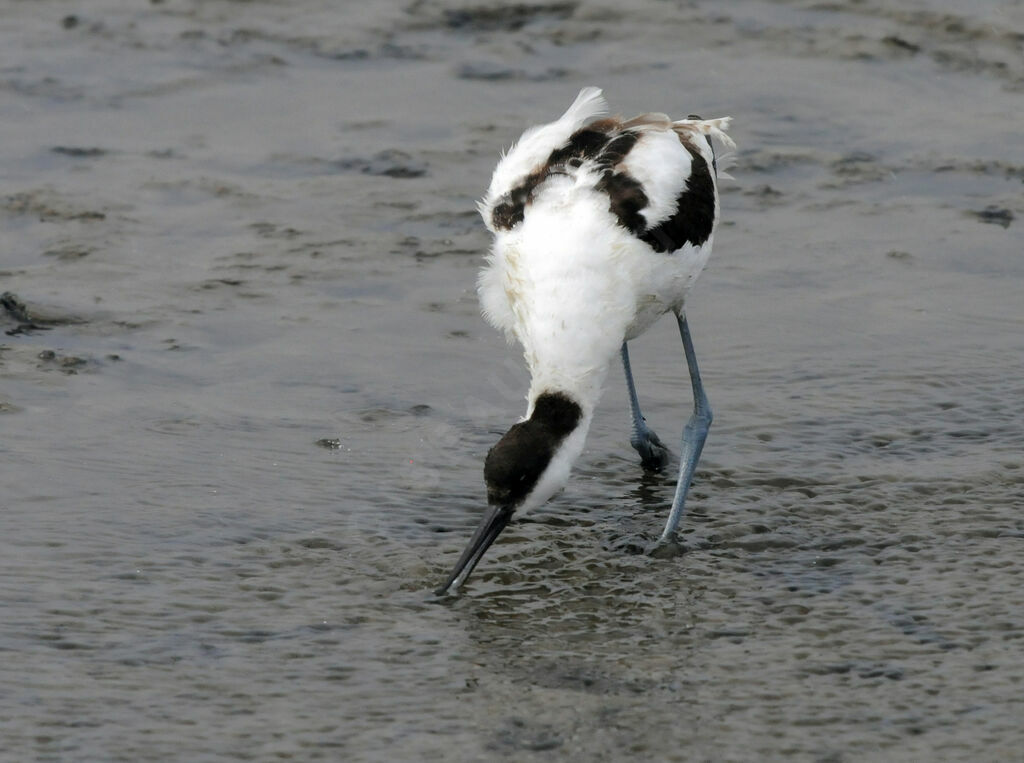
column 694, row 433
column 653, row 455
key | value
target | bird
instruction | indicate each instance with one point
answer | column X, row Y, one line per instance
column 600, row 227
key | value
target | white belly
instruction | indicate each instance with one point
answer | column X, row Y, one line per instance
column 665, row 281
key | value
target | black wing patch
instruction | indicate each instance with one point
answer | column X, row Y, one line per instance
column 599, row 142
column 693, row 221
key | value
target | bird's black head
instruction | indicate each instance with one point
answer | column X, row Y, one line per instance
column 517, row 461
column 512, row 470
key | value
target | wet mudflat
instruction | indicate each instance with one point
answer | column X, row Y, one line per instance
column 245, row 391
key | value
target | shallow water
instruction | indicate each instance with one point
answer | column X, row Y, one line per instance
column 245, row 390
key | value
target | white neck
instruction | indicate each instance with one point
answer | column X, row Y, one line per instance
column 557, row 473
column 583, row 384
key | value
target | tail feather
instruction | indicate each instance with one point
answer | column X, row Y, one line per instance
column 652, row 119
column 715, row 128
column 588, row 104
column 726, row 161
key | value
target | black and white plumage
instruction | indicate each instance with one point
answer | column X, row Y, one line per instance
column 601, row 226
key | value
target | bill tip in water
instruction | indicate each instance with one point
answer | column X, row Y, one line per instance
column 494, row 521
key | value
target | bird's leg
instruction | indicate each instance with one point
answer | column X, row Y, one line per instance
column 694, row 433
column 653, row 455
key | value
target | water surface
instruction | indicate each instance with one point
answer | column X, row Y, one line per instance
column 245, row 391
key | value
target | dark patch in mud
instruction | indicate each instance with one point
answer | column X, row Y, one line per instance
column 994, row 215
column 29, row 319
column 899, row 43
column 47, row 209
column 15, row 307
column 78, row 152
column 55, row 361
column 270, row 230
column 519, row 734
column 18, row 311
column 765, row 195
column 388, row 163
column 69, row 252
column 957, row 43
column 329, row 48
column 505, row 18
column 496, row 72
